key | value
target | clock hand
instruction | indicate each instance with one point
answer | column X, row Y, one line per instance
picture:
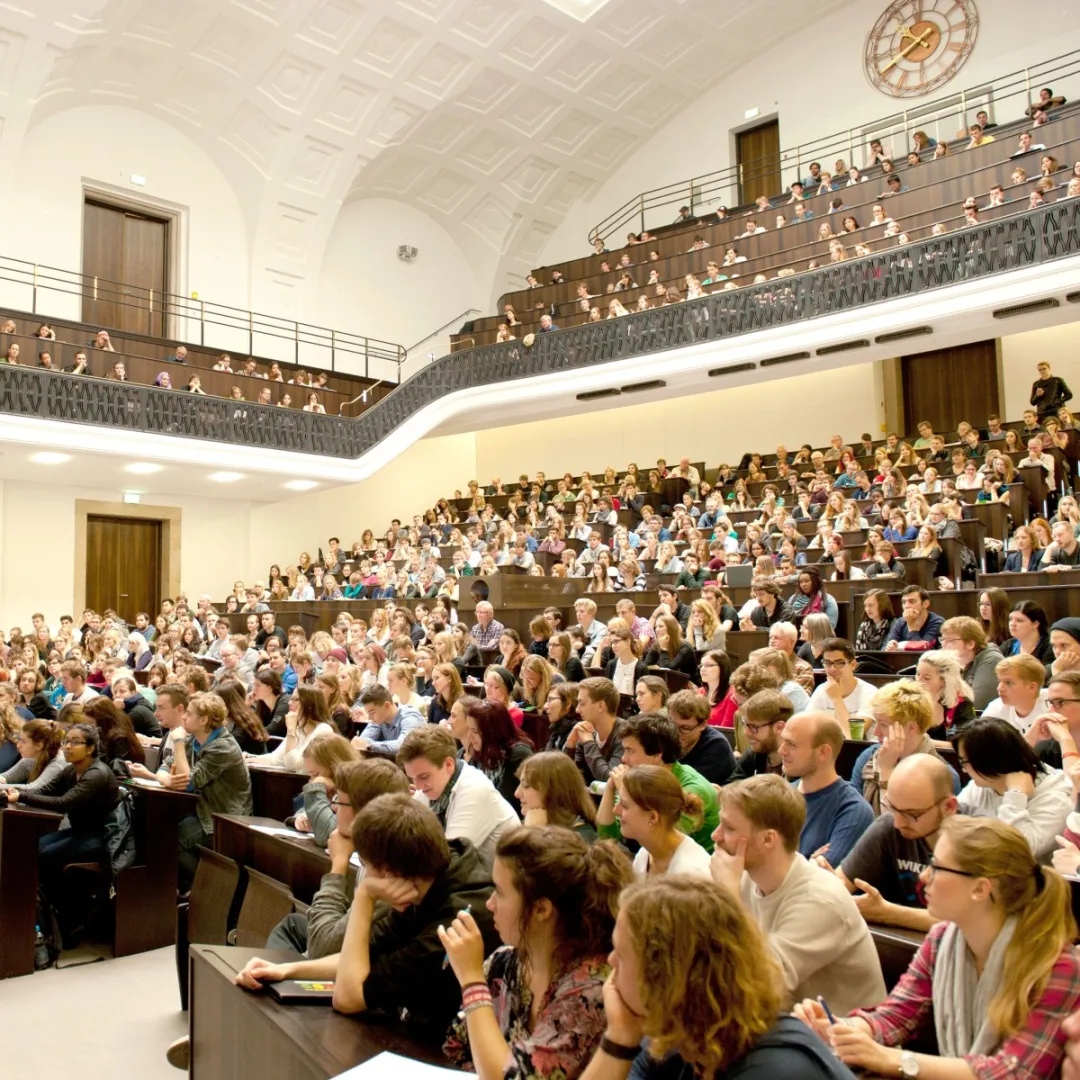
column 905, row 32
column 903, row 52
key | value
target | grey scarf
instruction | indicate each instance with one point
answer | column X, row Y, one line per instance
column 442, row 803
column 962, row 997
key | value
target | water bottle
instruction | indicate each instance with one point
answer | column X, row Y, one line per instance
column 597, row 787
column 41, row 950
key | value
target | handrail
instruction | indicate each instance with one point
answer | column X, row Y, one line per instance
column 725, row 185
column 362, row 396
column 193, row 321
column 445, row 326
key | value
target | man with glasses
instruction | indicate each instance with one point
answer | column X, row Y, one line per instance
column 841, row 694
column 885, row 865
column 704, row 748
column 979, row 657
column 764, row 716
column 1056, row 733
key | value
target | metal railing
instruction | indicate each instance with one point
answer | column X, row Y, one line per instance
column 64, row 294
column 940, row 119
column 1023, row 240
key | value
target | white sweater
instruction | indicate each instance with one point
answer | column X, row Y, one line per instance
column 689, row 858
column 292, row 760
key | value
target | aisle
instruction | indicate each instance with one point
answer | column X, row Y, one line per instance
column 97, row 1022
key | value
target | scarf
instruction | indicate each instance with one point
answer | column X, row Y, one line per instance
column 442, row 804
column 961, row 998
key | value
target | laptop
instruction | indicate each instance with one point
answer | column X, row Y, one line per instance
column 301, row 992
column 739, row 576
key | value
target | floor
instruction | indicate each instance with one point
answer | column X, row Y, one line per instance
column 96, row 1021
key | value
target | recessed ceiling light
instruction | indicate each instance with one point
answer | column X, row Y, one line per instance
column 302, row 485
column 225, row 477
column 143, row 468
column 50, row 457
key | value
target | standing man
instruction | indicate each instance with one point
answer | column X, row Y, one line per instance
column 1049, row 392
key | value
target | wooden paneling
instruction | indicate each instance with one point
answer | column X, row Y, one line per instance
column 950, row 385
column 123, row 565
column 759, row 161
column 122, row 248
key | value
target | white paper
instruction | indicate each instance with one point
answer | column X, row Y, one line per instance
column 271, row 831
column 385, row 1065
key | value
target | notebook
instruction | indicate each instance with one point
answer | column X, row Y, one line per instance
column 739, row 576
column 301, row 992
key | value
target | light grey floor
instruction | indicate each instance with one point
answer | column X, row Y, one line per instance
column 96, row 1022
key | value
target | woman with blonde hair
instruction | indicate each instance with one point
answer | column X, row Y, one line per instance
column 705, row 633
column 562, row 655
column 939, row 672
column 401, row 682
column 535, row 677
column 667, row 561
column 996, row 975
column 321, row 757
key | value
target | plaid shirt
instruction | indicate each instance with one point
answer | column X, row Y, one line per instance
column 1035, row 1051
column 489, row 638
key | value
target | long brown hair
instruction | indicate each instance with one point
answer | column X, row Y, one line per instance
column 113, row 724
column 554, row 775
column 45, row 734
column 453, row 677
column 655, row 788
column 313, row 710
column 232, row 693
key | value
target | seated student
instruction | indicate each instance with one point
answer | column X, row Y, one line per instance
column 625, row 667
column 322, row 756
column 593, row 742
column 119, row 745
column 387, row 722
column 701, row 746
column 551, row 792
column 537, row 1000
column 996, row 975
column 655, row 811
column 1021, row 698
column 903, row 714
column 836, row 814
column 978, row 657
column 499, row 687
column 308, row 717
column 463, row 799
column 210, row 764
column 681, row 948
column 764, row 715
column 814, row 930
column 321, row 931
column 395, row 962
column 1053, row 734
column 1009, row 782
column 40, row 758
column 918, row 628
column 671, row 651
column 652, row 739
column 86, row 792
column 125, row 692
column 495, row 746
column 888, row 859
column 842, row 694
column 769, row 607
column 779, row 663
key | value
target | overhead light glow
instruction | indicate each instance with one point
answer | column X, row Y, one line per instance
column 50, row 457
column 301, row 485
column 225, row 477
column 143, row 468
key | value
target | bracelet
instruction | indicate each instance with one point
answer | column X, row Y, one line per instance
column 1070, row 753
column 618, row 1050
column 469, row 986
column 479, row 994
column 472, row 1007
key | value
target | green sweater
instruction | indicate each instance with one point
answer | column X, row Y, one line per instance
column 690, row 780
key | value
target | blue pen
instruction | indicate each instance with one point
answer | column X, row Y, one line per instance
column 467, row 910
column 828, row 1012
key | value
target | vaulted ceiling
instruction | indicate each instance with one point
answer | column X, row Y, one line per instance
column 493, row 116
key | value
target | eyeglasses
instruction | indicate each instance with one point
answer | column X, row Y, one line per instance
column 753, row 729
column 834, row 663
column 73, row 742
column 936, row 868
column 910, row 815
column 1055, row 703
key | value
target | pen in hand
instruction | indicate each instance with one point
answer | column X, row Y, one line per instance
column 467, row 910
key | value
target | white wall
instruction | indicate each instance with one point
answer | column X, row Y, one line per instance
column 814, row 82
column 43, row 212
column 366, row 289
column 37, row 543
column 1060, row 345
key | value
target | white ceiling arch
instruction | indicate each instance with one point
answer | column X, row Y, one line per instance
column 493, row 116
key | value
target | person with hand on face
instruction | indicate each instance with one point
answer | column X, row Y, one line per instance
column 534, row 1006
column 322, row 756
column 811, row 923
column 594, row 744
column 996, row 975
column 1065, row 643
column 681, row 947
column 918, row 628
column 1010, row 783
column 395, row 962
column 551, row 792
column 40, row 757
column 903, row 713
column 845, row 696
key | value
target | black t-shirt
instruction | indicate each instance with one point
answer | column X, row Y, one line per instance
column 1063, row 558
column 1049, row 753
column 262, row 636
column 889, row 862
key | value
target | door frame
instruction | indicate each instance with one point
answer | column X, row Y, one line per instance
column 175, row 217
column 733, row 151
column 170, row 518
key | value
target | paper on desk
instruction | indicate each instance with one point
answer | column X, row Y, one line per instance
column 270, row 830
column 400, row 1068
column 143, row 782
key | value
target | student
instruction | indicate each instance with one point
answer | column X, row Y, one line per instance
column 594, row 743
column 811, row 923
column 496, row 747
column 651, row 739
column 702, row 747
column 1009, row 782
column 842, row 694
column 322, row 758
column 554, row 909
column 764, row 715
column 996, row 975
column 1021, row 698
column 836, row 814
column 307, row 718
column 692, row 974
column 40, row 758
column 396, row 962
column 463, row 799
column 650, row 808
column 388, row 723
column 551, row 792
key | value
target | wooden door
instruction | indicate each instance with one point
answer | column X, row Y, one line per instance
column 127, row 253
column 758, row 152
column 949, row 385
column 123, row 565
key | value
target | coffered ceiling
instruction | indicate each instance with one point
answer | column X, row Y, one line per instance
column 493, row 116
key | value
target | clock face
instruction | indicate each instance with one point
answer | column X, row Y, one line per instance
column 919, row 45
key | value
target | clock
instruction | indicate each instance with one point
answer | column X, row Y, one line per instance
column 918, row 45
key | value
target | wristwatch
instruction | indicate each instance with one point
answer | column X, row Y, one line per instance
column 909, row 1065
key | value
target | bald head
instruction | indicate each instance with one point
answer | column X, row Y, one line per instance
column 920, row 780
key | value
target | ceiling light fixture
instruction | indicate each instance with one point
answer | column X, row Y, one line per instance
column 301, row 485
column 50, row 457
column 225, row 477
column 143, row 468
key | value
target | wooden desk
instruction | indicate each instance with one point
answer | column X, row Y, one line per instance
column 741, row 643
column 236, row 1034
column 300, row 864
column 896, row 948
column 20, row 830
column 146, row 892
column 274, row 791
